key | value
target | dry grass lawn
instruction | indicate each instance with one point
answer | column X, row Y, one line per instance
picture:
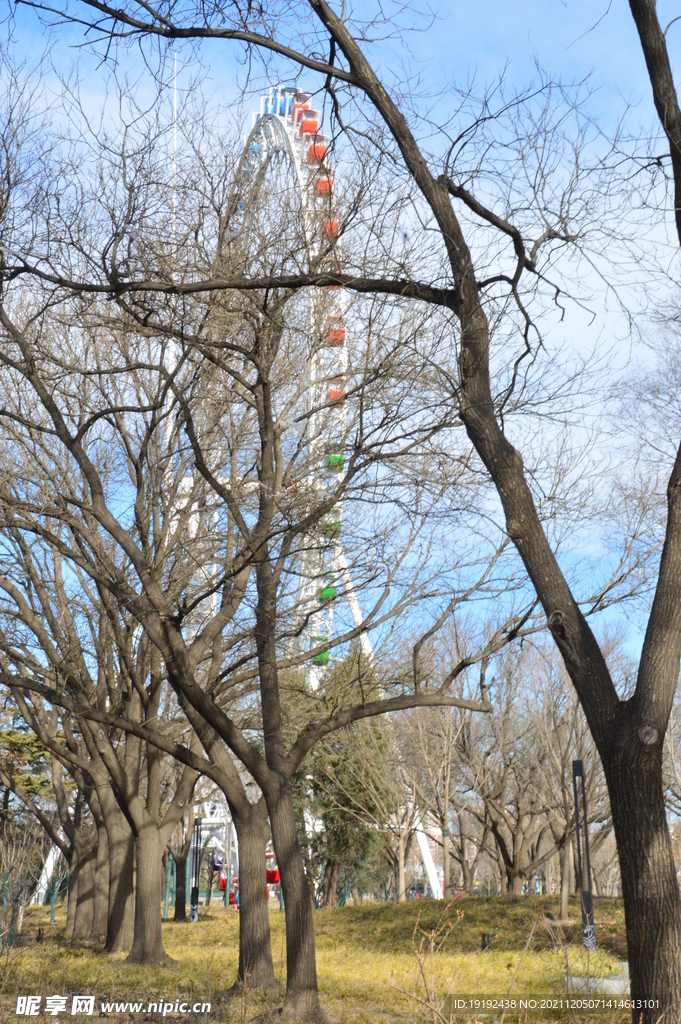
column 367, row 960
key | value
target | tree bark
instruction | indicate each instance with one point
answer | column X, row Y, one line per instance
column 328, row 868
column 209, row 882
column 333, row 883
column 256, row 969
column 147, row 946
column 164, row 874
column 574, row 877
column 466, row 872
column 401, row 882
column 85, row 903
column 517, row 881
column 446, row 863
column 101, row 884
column 181, row 856
column 72, row 896
column 121, row 911
column 649, row 884
column 181, row 885
column 302, row 998
column 4, row 813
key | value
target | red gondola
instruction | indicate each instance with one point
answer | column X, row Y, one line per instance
column 301, row 102
column 337, row 390
column 309, row 123
column 329, row 230
column 316, row 151
column 324, row 186
column 335, row 333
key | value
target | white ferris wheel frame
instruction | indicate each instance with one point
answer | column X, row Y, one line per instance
column 280, row 128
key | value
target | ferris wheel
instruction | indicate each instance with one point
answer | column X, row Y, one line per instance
column 287, row 126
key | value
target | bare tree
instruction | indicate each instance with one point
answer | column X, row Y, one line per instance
column 502, row 768
column 561, row 735
column 108, row 773
column 434, row 740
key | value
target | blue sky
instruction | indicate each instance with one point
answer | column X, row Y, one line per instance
column 569, row 40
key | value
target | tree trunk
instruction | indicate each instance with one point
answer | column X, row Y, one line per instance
column 401, row 882
column 4, row 813
column 517, row 882
column 333, row 883
column 85, row 903
column 147, row 945
column 209, row 881
column 256, row 969
column 596, row 882
column 302, row 998
column 446, row 864
column 565, row 858
column 574, row 878
column 72, row 896
column 356, row 896
column 180, row 886
column 121, row 913
column 326, row 881
column 652, row 904
column 164, row 874
column 503, row 883
column 466, row 872
column 101, row 882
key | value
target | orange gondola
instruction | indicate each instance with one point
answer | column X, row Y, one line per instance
column 301, row 102
column 316, row 151
column 309, row 123
column 324, row 186
column 335, row 333
column 337, row 390
column 329, row 230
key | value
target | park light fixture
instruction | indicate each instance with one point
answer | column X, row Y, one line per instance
column 196, row 872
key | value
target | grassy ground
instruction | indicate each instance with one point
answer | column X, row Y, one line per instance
column 374, row 962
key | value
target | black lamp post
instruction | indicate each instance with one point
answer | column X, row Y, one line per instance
column 581, row 823
column 196, row 872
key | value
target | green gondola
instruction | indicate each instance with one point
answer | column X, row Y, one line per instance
column 328, row 590
column 322, row 657
column 336, row 463
column 332, row 523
